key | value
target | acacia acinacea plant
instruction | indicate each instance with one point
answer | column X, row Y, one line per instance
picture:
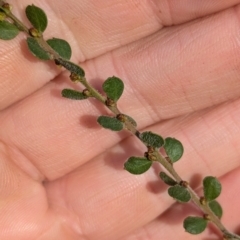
column 156, row 149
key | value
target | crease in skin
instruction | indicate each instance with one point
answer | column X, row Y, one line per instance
column 15, row 157
column 60, row 206
column 27, row 166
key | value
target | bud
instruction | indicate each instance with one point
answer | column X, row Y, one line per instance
column 203, row 201
column 150, row 149
column 207, row 217
column 150, row 156
column 87, row 93
column 34, row 33
column 7, row 7
column 74, row 77
column 110, row 103
column 121, row 117
column 184, row 184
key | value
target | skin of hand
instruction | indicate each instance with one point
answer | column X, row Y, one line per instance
column 61, row 175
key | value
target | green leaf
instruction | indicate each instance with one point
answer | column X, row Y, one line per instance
column 152, row 139
column 36, row 50
column 8, row 31
column 173, row 148
column 195, row 225
column 179, row 193
column 61, row 46
column 73, row 94
column 216, row 208
column 211, row 188
column 113, row 87
column 37, row 17
column 168, row 180
column 137, row 165
column 110, row 123
column 73, row 68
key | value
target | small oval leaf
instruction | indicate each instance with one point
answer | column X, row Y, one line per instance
column 137, row 165
column 73, row 94
column 113, row 87
column 216, row 208
column 61, row 46
column 36, row 50
column 73, row 68
column 168, row 180
column 211, row 188
column 37, row 17
column 8, row 31
column 110, row 123
column 173, row 148
column 195, row 225
column 152, row 139
column 179, row 193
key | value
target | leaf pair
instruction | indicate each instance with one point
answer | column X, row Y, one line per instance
column 113, row 87
column 38, row 19
column 173, row 147
column 196, row 225
column 61, row 46
column 177, row 191
column 35, row 15
column 212, row 189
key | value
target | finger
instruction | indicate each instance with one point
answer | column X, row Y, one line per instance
column 184, row 11
column 96, row 32
column 19, row 216
column 104, row 25
column 182, row 70
column 162, row 227
column 24, row 208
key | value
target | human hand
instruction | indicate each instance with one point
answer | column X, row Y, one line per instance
column 62, row 175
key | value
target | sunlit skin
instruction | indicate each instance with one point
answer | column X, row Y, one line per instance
column 62, row 174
